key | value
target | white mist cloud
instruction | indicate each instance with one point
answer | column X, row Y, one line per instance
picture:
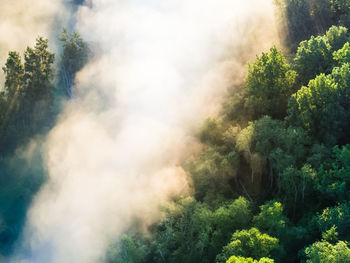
column 114, row 155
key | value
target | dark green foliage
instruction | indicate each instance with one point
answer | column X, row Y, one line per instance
column 302, row 18
column 333, row 180
column 185, row 234
column 211, row 174
column 25, row 116
column 277, row 146
column 336, row 216
column 75, row 55
column 38, row 71
column 28, row 90
column 129, row 249
column 296, row 19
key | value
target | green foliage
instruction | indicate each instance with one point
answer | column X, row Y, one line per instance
column 211, row 173
column 75, row 55
column 341, row 9
column 38, row 71
column 336, row 216
column 14, row 72
column 211, row 132
column 128, row 250
column 270, row 81
column 295, row 16
column 324, row 252
column 25, row 111
column 184, row 236
column 334, row 182
column 249, row 243
column 228, row 218
column 317, row 108
column 313, row 57
column 331, row 235
column 342, row 55
column 337, row 36
column 281, row 147
column 235, row 259
column 296, row 186
column 271, row 219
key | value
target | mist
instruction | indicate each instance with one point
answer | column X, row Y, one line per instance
column 115, row 154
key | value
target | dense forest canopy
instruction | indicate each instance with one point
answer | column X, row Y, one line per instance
column 271, row 182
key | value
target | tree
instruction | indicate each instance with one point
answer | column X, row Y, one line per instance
column 270, row 81
column 316, row 108
column 10, row 98
column 324, row 252
column 128, row 250
column 184, row 235
column 274, row 144
column 235, row 259
column 271, row 219
column 211, row 132
column 227, row 219
column 38, row 70
column 337, row 216
column 74, row 57
column 296, row 186
column 334, row 182
column 312, row 58
column 14, row 72
column 337, row 36
column 342, row 55
column 211, row 172
column 28, row 94
column 249, row 243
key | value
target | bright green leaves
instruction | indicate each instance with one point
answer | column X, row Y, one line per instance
column 271, row 219
column 228, row 218
column 324, row 252
column 318, row 108
column 331, row 235
column 337, row 36
column 337, row 216
column 342, row 55
column 270, row 81
column 235, row 259
column 249, row 243
column 314, row 56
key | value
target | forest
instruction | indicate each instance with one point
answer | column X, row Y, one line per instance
column 271, row 182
